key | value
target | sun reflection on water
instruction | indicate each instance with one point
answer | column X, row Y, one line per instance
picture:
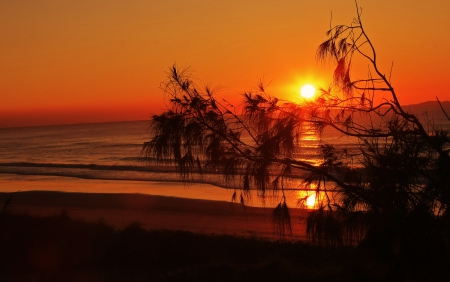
column 310, row 137
column 307, row 199
column 311, row 201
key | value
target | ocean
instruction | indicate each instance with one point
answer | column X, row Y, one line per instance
column 105, row 158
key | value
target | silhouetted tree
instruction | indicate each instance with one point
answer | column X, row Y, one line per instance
column 393, row 192
column 401, row 195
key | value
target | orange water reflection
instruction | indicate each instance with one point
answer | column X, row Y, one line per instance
column 307, row 199
column 303, row 197
column 310, row 137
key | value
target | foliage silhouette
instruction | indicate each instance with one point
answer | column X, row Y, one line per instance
column 58, row 248
column 393, row 193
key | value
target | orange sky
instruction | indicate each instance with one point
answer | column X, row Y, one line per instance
column 103, row 60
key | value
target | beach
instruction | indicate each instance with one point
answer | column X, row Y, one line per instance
column 94, row 172
column 155, row 212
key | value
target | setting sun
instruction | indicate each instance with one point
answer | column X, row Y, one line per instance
column 307, row 91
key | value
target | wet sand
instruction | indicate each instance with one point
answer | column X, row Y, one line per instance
column 156, row 212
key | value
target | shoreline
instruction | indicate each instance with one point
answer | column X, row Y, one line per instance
column 162, row 187
column 118, row 172
column 152, row 212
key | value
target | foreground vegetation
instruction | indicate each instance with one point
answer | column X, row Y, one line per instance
column 61, row 249
column 390, row 194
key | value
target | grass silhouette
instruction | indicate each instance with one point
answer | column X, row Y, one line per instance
column 58, row 248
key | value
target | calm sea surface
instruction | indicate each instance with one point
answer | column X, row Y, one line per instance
column 105, row 158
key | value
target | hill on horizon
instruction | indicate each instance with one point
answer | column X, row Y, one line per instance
column 431, row 110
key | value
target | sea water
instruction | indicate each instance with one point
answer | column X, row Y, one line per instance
column 108, row 151
column 106, row 158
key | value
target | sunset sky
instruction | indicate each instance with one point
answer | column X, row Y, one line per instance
column 103, row 60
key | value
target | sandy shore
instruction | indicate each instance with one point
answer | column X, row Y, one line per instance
column 155, row 212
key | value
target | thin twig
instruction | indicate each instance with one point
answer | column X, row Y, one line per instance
column 442, row 108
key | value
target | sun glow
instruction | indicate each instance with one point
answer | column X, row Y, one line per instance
column 311, row 201
column 307, row 91
column 307, row 198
